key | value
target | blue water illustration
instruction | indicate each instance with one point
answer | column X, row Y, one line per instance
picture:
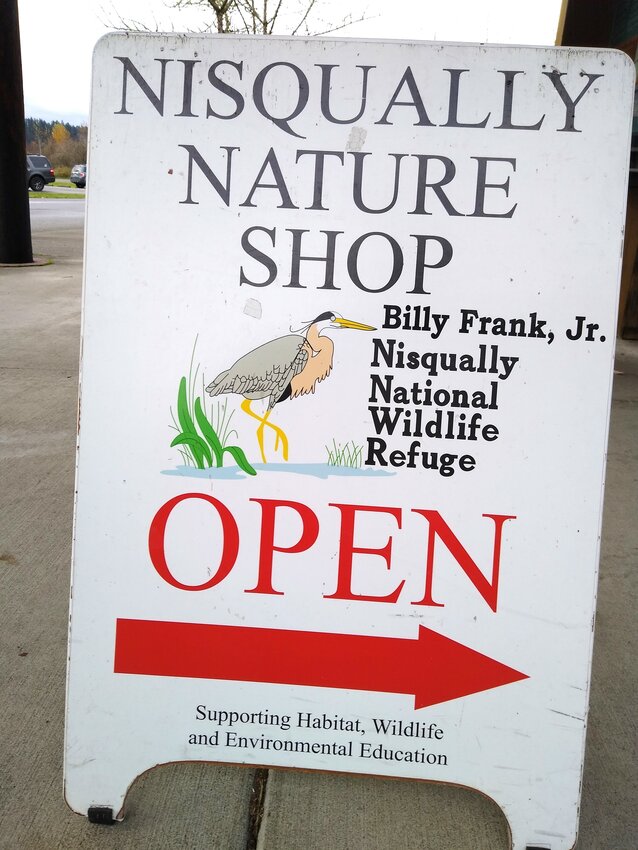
column 316, row 470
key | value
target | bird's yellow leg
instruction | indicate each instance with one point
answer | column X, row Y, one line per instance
column 263, row 421
column 245, row 406
column 279, row 435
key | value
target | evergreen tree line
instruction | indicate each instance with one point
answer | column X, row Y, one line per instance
column 62, row 143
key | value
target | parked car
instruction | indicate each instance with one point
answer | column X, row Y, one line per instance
column 79, row 175
column 39, row 172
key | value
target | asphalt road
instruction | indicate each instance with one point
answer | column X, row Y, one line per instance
column 54, row 213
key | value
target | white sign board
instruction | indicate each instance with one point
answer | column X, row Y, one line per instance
column 348, row 333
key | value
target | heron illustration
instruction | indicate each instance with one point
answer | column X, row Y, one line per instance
column 286, row 367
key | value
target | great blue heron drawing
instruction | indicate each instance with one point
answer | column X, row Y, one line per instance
column 286, row 367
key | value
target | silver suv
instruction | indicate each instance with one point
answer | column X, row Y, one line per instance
column 79, row 175
column 39, row 172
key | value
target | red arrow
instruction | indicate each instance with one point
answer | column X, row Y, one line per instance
column 433, row 668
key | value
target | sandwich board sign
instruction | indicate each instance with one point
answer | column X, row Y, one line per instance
column 348, row 331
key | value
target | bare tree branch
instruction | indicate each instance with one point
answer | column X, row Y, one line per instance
column 245, row 24
column 345, row 23
column 309, row 9
column 244, row 16
column 274, row 17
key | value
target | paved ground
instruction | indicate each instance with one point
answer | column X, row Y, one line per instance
column 205, row 807
column 72, row 190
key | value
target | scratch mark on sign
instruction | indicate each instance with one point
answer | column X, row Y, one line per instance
column 82, row 763
column 564, row 714
column 252, row 307
column 356, row 139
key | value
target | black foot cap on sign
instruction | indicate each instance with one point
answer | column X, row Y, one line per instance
column 536, row 847
column 101, row 814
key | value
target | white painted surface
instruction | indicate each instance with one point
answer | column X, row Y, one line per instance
column 161, row 274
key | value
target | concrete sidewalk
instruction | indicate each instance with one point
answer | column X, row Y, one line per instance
column 207, row 806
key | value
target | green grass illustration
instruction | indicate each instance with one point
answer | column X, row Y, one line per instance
column 348, row 454
column 203, row 437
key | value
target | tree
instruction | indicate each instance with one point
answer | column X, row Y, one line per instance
column 40, row 131
column 252, row 17
column 60, row 134
column 258, row 17
column 63, row 143
column 68, row 148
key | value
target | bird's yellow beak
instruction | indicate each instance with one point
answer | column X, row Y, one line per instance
column 348, row 323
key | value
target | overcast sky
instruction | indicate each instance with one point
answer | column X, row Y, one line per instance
column 58, row 38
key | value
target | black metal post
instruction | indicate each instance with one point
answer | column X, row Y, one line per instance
column 15, row 225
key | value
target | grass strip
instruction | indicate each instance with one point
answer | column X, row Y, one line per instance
column 76, row 197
